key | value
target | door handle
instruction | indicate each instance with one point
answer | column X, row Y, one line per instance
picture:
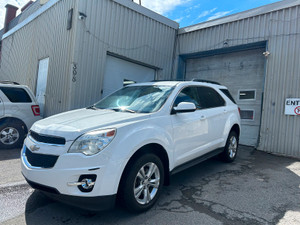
column 225, row 111
column 202, row 118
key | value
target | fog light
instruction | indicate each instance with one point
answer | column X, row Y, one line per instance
column 85, row 183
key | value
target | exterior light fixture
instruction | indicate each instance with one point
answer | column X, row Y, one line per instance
column 266, row 53
column 82, row 16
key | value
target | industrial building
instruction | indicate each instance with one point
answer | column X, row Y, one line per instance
column 89, row 48
column 256, row 55
column 73, row 52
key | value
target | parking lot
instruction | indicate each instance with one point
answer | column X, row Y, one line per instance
column 258, row 188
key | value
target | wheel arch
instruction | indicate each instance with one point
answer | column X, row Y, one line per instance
column 236, row 128
column 153, row 148
column 14, row 120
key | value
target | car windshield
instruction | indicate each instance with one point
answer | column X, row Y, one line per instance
column 136, row 99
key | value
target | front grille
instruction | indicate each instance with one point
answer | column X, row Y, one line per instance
column 40, row 160
column 47, row 139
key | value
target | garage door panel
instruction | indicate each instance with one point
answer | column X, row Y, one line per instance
column 251, row 140
column 239, row 71
column 119, row 70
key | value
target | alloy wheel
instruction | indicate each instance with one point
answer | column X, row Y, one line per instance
column 9, row 135
column 146, row 183
column 232, row 147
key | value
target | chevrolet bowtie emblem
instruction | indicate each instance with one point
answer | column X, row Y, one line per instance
column 34, row 148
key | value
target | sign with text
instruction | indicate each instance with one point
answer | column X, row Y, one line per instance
column 292, row 106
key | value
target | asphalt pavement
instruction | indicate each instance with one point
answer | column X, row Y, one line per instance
column 258, row 188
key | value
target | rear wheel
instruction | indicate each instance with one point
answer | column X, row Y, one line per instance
column 142, row 183
column 231, row 147
column 11, row 135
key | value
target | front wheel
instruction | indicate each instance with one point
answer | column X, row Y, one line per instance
column 231, row 148
column 142, row 183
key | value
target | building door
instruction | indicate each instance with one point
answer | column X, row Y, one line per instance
column 243, row 73
column 119, row 73
column 42, row 83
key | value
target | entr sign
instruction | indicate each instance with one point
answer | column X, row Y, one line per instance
column 292, row 106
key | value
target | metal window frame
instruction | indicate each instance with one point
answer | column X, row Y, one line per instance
column 251, row 99
column 253, row 110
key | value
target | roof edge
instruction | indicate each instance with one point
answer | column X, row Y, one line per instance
column 128, row 4
column 33, row 16
column 241, row 15
column 147, row 12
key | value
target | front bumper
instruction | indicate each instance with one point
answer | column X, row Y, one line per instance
column 96, row 203
column 69, row 167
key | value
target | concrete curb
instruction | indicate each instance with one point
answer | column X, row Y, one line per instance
column 14, row 184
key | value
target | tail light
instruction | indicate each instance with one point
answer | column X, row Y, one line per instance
column 239, row 111
column 36, row 110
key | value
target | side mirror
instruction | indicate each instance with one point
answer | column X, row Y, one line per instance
column 184, row 107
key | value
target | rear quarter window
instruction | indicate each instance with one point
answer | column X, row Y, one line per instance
column 16, row 95
column 209, row 98
column 227, row 93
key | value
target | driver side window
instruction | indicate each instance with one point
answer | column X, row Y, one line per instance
column 188, row 94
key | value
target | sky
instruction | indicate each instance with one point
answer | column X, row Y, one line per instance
column 18, row 3
column 190, row 12
column 185, row 12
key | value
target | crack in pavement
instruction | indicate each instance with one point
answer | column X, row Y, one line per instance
column 220, row 211
column 191, row 200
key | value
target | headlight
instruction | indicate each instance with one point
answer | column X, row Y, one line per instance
column 92, row 142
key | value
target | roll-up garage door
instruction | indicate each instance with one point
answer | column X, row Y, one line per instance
column 243, row 73
column 120, row 72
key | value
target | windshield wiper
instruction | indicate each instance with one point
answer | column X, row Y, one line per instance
column 128, row 110
column 123, row 109
column 93, row 107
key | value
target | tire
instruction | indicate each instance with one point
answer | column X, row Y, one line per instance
column 231, row 148
column 12, row 135
column 137, row 192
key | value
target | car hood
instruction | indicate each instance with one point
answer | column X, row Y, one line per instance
column 74, row 123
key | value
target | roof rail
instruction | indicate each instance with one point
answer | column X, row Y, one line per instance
column 164, row 80
column 9, row 82
column 206, row 81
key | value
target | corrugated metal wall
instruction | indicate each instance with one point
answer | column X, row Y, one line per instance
column 78, row 57
column 45, row 36
column 113, row 27
column 281, row 29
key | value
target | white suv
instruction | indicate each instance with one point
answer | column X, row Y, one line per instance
column 129, row 143
column 18, row 111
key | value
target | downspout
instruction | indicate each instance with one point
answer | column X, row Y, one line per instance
column 174, row 54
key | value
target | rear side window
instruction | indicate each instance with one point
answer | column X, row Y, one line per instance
column 16, row 94
column 227, row 93
column 209, row 98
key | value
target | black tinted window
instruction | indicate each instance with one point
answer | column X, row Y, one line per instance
column 209, row 98
column 16, row 94
column 188, row 94
column 247, row 95
column 227, row 93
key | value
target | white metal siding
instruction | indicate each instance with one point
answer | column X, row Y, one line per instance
column 45, row 36
column 281, row 29
column 112, row 27
column 77, row 57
